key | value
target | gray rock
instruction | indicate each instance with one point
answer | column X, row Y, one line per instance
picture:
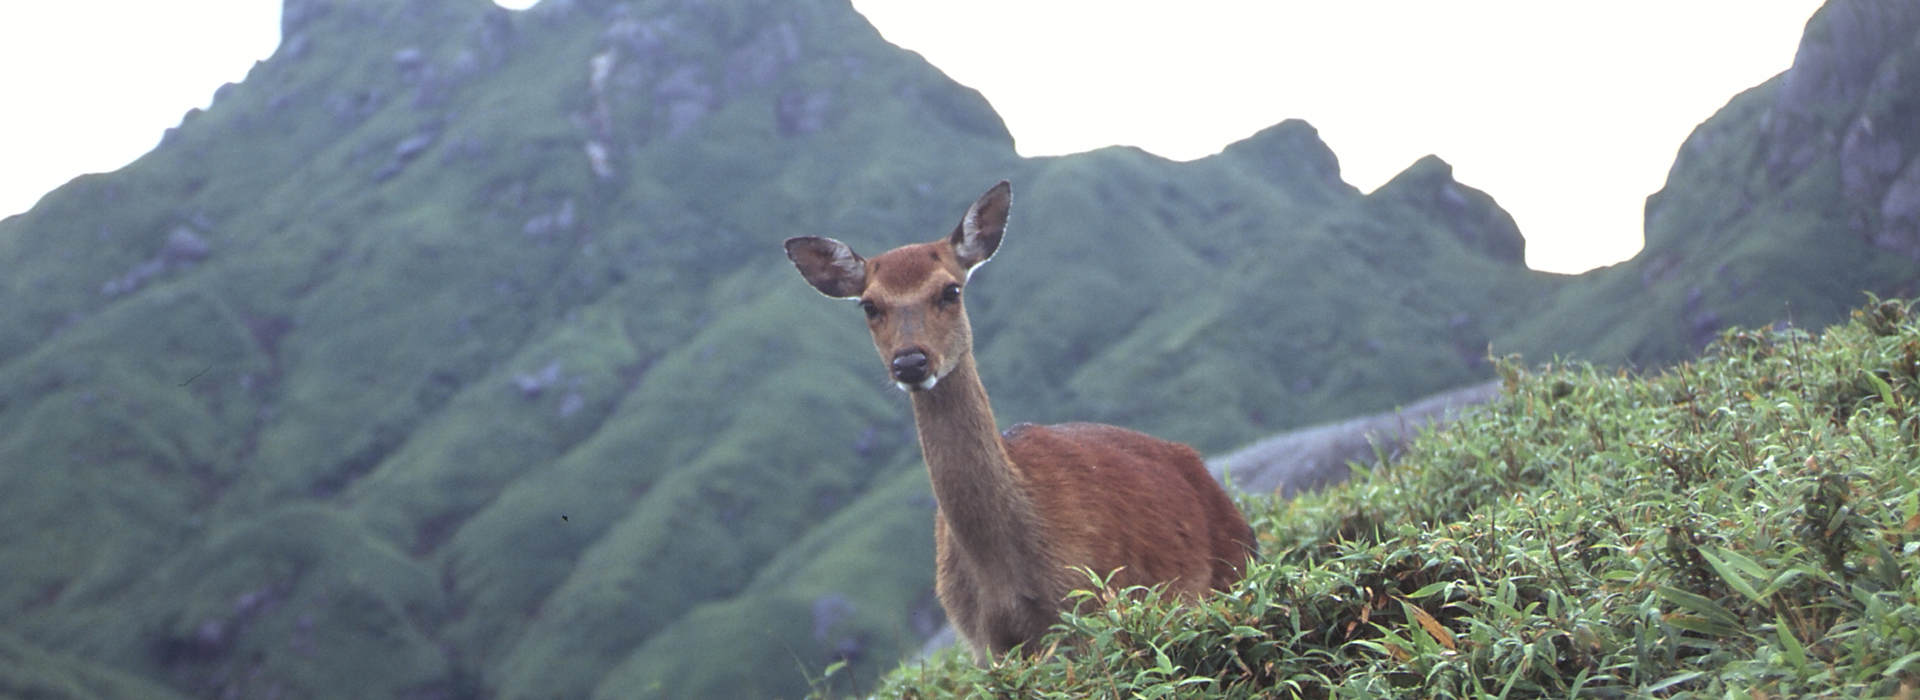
column 800, row 113
column 183, row 245
column 1317, row 457
column 1839, row 58
column 1867, row 160
column 686, row 98
column 1900, row 215
column 413, row 146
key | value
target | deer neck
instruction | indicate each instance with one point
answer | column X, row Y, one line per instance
column 982, row 495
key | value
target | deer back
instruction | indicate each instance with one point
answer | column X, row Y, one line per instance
column 1142, row 509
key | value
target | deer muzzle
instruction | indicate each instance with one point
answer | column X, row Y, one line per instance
column 911, row 369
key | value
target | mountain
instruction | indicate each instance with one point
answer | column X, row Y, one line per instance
column 1783, row 207
column 453, row 353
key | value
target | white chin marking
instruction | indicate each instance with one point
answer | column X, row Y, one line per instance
column 922, row 386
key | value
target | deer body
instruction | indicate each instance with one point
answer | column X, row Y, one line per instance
column 1019, row 512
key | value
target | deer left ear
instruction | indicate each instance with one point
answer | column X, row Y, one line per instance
column 829, row 265
column 978, row 234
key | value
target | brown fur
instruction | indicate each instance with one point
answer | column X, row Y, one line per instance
column 1019, row 513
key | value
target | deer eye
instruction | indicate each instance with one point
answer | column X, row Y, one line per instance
column 869, row 309
column 950, row 295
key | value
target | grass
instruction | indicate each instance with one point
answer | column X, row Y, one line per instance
column 1743, row 525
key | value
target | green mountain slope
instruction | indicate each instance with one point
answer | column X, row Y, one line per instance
column 453, row 354
column 1784, row 206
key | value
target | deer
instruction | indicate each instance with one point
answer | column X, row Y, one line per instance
column 1022, row 517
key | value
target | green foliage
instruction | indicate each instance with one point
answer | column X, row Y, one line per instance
column 1744, row 525
column 825, row 600
column 28, row 673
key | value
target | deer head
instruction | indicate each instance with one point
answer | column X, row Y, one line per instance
column 912, row 294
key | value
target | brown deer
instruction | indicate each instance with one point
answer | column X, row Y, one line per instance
column 1019, row 512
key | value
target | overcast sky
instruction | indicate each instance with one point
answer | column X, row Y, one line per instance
column 1568, row 114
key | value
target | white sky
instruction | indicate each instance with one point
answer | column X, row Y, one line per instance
column 1568, row 114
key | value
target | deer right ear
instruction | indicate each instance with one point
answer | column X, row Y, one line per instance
column 829, row 265
column 978, row 234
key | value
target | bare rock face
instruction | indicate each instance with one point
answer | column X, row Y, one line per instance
column 1469, row 214
column 1291, row 154
column 183, row 245
column 1847, row 95
column 1869, row 157
column 1899, row 230
column 800, row 114
column 183, row 248
column 1845, row 47
column 1316, row 457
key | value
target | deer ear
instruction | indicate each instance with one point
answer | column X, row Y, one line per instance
column 978, row 234
column 829, row 265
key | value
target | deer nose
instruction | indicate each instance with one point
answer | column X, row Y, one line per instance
column 910, row 367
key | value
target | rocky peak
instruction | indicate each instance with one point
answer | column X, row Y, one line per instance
column 1290, row 154
column 1844, row 51
column 1469, row 214
column 1849, row 96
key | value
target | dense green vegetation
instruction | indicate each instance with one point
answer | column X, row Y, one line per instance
column 1744, row 525
column 452, row 353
